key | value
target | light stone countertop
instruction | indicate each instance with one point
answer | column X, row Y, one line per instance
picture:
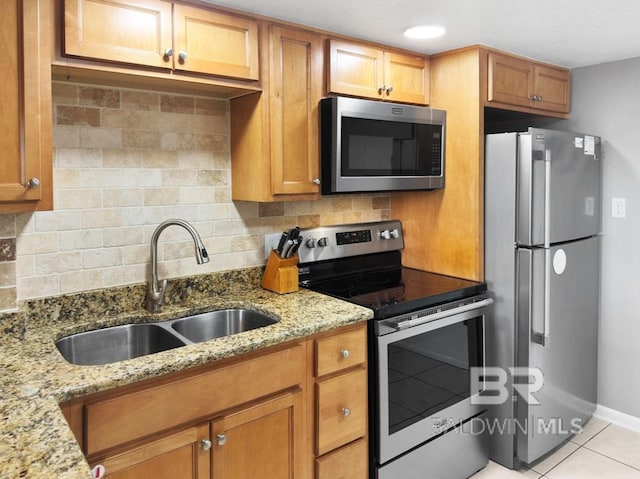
column 35, row 439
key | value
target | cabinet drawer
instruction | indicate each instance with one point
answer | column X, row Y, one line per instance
column 348, row 462
column 341, row 410
column 125, row 418
column 341, row 351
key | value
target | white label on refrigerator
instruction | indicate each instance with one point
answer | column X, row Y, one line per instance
column 578, row 142
column 589, row 205
column 589, row 145
column 559, row 261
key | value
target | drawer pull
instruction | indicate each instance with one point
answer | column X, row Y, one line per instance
column 206, row 444
column 345, row 353
column 222, row 439
column 346, row 412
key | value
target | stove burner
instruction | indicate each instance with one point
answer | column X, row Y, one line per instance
column 385, row 297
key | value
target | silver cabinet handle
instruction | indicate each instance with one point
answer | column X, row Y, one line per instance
column 382, row 89
column 389, row 90
column 182, row 55
column 206, row 444
column 33, row 183
column 345, row 353
column 168, row 53
column 316, row 181
column 346, row 412
column 221, row 439
column 536, row 98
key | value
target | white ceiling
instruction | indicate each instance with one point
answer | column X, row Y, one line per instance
column 571, row 33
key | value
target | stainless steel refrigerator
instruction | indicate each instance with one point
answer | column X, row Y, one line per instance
column 542, row 220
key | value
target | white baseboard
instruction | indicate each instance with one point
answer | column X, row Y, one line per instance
column 618, row 418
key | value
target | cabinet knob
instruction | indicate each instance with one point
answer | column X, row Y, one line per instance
column 206, row 444
column 222, row 439
column 383, row 88
column 389, row 90
column 316, row 181
column 168, row 53
column 182, row 56
column 536, row 98
column 345, row 353
column 346, row 412
column 33, row 183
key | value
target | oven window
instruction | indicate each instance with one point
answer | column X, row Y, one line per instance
column 387, row 148
column 430, row 372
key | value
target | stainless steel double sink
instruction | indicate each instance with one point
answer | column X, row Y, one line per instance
column 117, row 343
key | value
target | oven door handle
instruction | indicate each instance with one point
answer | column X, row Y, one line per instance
column 410, row 323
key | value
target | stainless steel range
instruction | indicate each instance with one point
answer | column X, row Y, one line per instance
column 425, row 340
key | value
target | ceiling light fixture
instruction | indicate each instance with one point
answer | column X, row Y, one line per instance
column 423, row 32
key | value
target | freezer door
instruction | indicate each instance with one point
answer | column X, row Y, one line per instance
column 558, row 300
column 558, row 187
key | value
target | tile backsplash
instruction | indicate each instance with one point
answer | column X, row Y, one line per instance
column 126, row 160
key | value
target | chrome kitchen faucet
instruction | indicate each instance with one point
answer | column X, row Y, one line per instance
column 155, row 292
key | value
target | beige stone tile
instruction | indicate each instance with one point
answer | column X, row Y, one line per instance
column 203, row 160
column 125, row 236
column 362, row 203
column 222, row 195
column 117, row 158
column 546, row 464
column 78, row 199
column 66, row 136
column 101, row 258
column 25, row 266
column 80, row 281
column 7, row 249
column 39, row 286
column 215, row 211
column 139, row 178
column 66, row 178
column 139, row 100
column 309, row 221
column 64, row 93
column 100, row 138
column 79, row 240
column 144, row 139
column 497, row 471
column 590, row 429
column 586, row 464
column 247, row 243
column 161, row 159
column 106, row 178
column 7, row 273
column 8, row 298
column 7, row 226
column 77, row 115
column 210, row 106
column 142, row 216
column 177, row 104
column 161, row 196
column 58, row 262
column 57, row 221
column 214, row 177
column 271, row 209
column 617, row 443
column 179, row 177
column 100, row 97
column 381, row 202
column 121, row 197
column 37, row 243
column 342, row 204
column 78, row 158
column 136, row 254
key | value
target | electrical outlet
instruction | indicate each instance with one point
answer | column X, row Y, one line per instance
column 618, row 207
column 271, row 241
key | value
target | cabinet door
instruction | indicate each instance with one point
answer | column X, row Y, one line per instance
column 296, row 88
column 25, row 103
column 182, row 455
column 126, row 31
column 348, row 462
column 215, row 43
column 510, row 80
column 266, row 440
column 355, row 69
column 551, row 85
column 406, row 78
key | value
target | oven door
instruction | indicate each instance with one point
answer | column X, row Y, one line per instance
column 424, row 377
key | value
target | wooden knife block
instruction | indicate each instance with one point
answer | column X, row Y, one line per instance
column 281, row 275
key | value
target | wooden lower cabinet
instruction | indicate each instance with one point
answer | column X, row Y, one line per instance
column 263, row 415
column 183, row 455
column 265, row 440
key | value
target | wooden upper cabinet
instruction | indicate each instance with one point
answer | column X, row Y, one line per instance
column 125, row 31
column 160, row 34
column 215, row 43
column 520, row 82
column 364, row 71
column 25, row 122
column 274, row 135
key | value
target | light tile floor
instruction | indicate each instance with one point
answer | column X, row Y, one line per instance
column 601, row 451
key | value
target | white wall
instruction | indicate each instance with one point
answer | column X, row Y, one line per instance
column 606, row 102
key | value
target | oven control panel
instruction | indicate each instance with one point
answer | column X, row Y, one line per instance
column 341, row 241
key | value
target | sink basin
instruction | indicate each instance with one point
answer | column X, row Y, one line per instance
column 224, row 322
column 104, row 346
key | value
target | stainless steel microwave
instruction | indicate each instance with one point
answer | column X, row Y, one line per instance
column 369, row 145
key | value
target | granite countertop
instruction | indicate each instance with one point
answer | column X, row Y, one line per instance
column 35, row 439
